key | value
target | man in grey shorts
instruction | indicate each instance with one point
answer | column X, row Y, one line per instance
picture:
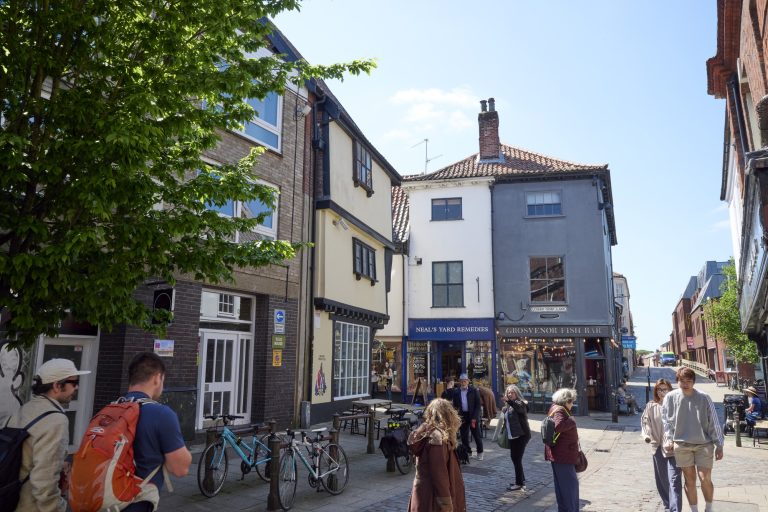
column 692, row 429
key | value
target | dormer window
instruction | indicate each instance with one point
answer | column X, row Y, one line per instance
column 363, row 168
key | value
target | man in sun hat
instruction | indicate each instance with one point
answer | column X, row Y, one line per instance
column 755, row 410
column 42, row 463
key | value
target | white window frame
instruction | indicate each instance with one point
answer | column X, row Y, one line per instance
column 276, row 129
column 351, row 360
column 532, row 193
column 228, row 304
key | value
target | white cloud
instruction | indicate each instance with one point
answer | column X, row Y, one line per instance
column 457, row 97
column 423, row 113
column 459, row 121
column 398, row 134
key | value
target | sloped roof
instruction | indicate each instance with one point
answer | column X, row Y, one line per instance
column 711, row 289
column 516, row 162
column 399, row 215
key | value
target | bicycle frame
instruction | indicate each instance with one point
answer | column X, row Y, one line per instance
column 314, row 449
column 237, row 444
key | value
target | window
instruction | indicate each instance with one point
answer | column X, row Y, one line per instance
column 352, row 352
column 364, row 260
column 248, row 210
column 448, row 284
column 265, row 126
column 547, row 279
column 542, row 204
column 446, row 209
column 363, row 169
column 226, row 304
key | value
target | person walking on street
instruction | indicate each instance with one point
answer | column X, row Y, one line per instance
column 43, row 452
column 466, row 400
column 374, row 381
column 158, row 438
column 668, row 476
column 564, row 455
column 692, row 429
column 389, row 375
column 518, row 432
column 438, row 484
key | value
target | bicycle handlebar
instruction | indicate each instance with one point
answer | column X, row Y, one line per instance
column 225, row 417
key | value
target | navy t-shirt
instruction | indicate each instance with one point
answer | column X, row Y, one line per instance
column 157, row 433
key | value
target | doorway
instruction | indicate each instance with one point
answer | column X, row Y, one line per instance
column 450, row 364
column 83, row 352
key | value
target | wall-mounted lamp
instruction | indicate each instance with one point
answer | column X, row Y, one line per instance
column 604, row 206
column 303, row 111
column 417, row 260
column 342, row 223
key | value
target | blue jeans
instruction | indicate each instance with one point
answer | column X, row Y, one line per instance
column 566, row 487
column 669, row 481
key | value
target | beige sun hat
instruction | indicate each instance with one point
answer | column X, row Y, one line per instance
column 751, row 390
column 55, row 370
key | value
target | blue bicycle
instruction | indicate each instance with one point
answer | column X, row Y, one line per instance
column 214, row 464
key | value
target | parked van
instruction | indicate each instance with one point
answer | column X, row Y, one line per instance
column 668, row 359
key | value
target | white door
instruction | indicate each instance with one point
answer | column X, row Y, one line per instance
column 83, row 352
column 226, row 370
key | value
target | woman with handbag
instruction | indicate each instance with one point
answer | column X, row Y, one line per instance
column 565, row 454
column 517, row 431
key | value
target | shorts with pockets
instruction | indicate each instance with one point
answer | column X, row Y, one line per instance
column 699, row 455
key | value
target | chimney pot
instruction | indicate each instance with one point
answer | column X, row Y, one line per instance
column 491, row 104
column 483, row 107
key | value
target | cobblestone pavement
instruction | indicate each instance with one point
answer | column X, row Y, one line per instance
column 620, row 474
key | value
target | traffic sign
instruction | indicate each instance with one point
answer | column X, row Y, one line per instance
column 279, row 321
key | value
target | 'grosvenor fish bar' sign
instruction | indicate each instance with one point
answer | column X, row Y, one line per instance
column 555, row 331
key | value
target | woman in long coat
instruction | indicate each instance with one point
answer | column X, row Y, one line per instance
column 564, row 455
column 517, row 431
column 438, row 485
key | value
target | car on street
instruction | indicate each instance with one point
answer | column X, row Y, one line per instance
column 668, row 359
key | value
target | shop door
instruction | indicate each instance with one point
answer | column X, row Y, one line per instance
column 83, row 352
column 226, row 375
column 449, row 355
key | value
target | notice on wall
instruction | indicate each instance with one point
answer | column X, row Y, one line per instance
column 278, row 341
column 419, row 365
column 164, row 348
column 277, row 357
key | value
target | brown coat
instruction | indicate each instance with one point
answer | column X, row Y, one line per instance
column 566, row 449
column 488, row 399
column 439, row 484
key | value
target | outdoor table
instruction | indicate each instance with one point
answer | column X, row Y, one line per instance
column 372, row 403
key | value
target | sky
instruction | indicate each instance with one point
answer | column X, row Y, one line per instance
column 614, row 82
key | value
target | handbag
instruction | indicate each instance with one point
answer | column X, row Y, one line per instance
column 500, row 434
column 581, row 466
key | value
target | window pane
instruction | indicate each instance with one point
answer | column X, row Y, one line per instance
column 438, row 209
column 453, row 211
column 538, row 268
column 557, row 291
column 554, row 267
column 262, row 135
column 538, row 290
column 439, row 273
column 439, row 296
column 251, row 209
column 266, row 110
column 557, row 209
column 455, row 272
column 456, row 295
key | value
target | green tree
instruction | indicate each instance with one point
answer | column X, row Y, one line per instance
column 724, row 322
column 105, row 110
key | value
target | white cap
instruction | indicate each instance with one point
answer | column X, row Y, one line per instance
column 463, row 376
column 55, row 370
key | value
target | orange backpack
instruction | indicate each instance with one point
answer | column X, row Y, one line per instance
column 103, row 473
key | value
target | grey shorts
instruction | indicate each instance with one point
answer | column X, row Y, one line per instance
column 699, row 455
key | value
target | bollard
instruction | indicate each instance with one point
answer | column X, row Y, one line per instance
column 737, row 427
column 333, row 481
column 371, row 419
column 615, row 409
column 271, row 424
column 336, row 421
column 273, row 501
column 210, row 438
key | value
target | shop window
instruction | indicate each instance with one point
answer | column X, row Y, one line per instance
column 538, row 366
column 351, row 360
column 448, row 284
column 479, row 362
column 419, row 365
column 446, row 209
column 547, row 279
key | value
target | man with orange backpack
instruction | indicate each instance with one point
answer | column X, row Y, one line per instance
column 139, row 437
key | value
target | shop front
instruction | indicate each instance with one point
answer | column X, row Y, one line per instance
column 439, row 350
column 542, row 359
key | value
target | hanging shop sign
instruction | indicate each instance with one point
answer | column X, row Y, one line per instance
column 629, row 342
column 547, row 331
column 451, row 329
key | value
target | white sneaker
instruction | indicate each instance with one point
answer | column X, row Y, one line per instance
column 479, row 456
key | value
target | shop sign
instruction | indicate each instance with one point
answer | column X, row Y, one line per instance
column 556, row 331
column 419, row 362
column 548, row 309
column 451, row 329
column 689, row 342
column 164, row 348
column 629, row 342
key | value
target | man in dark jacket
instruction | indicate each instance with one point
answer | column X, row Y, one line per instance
column 466, row 400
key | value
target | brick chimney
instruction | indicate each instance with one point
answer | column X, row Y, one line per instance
column 488, row 120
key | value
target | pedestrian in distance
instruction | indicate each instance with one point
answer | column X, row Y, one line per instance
column 438, row 484
column 755, row 410
column 692, row 429
column 44, row 451
column 158, row 434
column 564, row 455
column 389, row 375
column 466, row 400
column 627, row 398
column 374, row 381
column 448, row 392
column 669, row 480
column 518, row 432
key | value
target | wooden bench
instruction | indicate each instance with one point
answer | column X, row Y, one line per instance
column 760, row 426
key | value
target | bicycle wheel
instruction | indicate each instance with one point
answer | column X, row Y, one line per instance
column 212, row 469
column 403, row 463
column 287, row 483
column 262, row 452
column 333, row 470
